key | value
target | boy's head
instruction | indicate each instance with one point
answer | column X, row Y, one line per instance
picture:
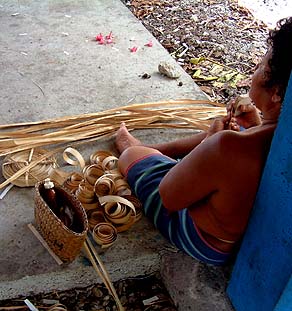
column 280, row 62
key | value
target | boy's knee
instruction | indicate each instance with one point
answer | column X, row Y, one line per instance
column 133, row 154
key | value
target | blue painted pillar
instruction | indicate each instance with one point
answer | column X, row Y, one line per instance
column 264, row 263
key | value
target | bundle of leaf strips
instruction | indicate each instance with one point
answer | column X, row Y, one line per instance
column 195, row 114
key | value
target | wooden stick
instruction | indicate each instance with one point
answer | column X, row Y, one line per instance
column 102, row 272
column 44, row 243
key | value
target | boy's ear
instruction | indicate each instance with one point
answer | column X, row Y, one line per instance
column 276, row 98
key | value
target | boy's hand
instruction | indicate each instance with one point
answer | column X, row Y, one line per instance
column 243, row 112
column 219, row 124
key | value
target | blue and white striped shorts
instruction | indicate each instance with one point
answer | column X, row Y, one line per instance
column 179, row 228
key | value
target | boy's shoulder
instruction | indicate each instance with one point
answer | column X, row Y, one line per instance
column 224, row 141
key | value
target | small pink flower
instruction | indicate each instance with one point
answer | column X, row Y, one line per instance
column 109, row 41
column 134, row 49
column 109, row 36
column 149, row 44
column 99, row 37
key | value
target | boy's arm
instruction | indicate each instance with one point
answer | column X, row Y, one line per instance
column 195, row 177
column 180, row 148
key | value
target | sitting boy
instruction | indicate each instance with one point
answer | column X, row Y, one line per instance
column 202, row 203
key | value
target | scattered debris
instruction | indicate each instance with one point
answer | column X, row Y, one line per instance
column 133, row 293
column 30, row 305
column 146, row 76
column 5, row 191
column 50, row 301
column 150, row 301
column 168, row 70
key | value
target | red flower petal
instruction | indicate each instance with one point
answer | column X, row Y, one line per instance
column 134, row 49
column 101, row 41
column 99, row 37
column 109, row 36
column 149, row 44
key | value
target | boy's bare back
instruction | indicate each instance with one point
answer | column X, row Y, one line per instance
column 221, row 175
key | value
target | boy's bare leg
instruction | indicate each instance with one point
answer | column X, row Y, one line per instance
column 125, row 140
column 131, row 149
column 173, row 149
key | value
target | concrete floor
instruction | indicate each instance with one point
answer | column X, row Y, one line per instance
column 50, row 66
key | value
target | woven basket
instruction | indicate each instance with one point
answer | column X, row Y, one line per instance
column 64, row 242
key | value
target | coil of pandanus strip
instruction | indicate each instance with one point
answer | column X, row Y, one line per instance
column 72, row 182
column 122, row 187
column 137, row 204
column 99, row 156
column 17, row 161
column 104, row 234
column 119, row 211
column 95, row 216
column 85, row 192
column 104, row 185
column 92, row 172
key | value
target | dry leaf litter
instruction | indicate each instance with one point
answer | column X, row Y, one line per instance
column 218, row 44
column 139, row 293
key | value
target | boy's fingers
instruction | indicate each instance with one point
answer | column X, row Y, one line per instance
column 246, row 108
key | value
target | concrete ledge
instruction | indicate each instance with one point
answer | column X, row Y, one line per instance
column 193, row 285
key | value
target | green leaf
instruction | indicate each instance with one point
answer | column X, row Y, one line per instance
column 208, row 78
column 197, row 60
column 216, row 70
column 197, row 73
column 236, row 79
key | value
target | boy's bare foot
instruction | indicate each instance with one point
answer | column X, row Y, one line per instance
column 124, row 139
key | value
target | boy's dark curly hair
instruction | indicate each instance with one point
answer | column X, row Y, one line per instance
column 280, row 41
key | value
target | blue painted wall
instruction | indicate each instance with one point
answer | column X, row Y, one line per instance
column 264, row 264
column 285, row 302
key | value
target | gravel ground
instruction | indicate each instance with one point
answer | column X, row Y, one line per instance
column 217, row 42
column 136, row 294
